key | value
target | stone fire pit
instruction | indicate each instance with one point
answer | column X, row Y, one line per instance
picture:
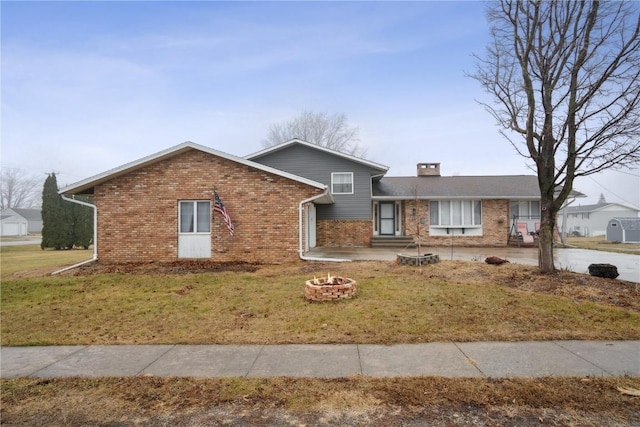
column 330, row 288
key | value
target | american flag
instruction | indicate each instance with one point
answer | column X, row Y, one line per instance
column 219, row 207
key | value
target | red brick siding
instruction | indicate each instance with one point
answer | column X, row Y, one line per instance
column 343, row 232
column 495, row 225
column 138, row 212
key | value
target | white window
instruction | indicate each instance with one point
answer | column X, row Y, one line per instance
column 342, row 183
column 195, row 216
column 527, row 209
column 455, row 213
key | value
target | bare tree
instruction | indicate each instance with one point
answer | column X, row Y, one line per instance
column 330, row 131
column 565, row 80
column 18, row 189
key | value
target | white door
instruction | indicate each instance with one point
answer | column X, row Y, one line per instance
column 311, row 226
column 194, row 229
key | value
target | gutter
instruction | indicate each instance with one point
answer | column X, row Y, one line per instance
column 300, row 231
column 95, row 235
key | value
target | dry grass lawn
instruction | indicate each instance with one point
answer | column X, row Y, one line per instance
column 200, row 303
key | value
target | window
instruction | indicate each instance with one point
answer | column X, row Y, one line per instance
column 342, row 183
column 195, row 216
column 527, row 209
column 455, row 213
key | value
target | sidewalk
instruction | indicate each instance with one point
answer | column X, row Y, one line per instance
column 473, row 359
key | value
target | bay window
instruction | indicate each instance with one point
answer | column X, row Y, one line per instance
column 455, row 213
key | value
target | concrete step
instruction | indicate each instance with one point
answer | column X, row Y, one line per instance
column 392, row 242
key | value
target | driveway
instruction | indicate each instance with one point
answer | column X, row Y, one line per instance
column 576, row 260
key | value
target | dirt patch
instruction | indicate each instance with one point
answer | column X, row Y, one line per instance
column 176, row 267
column 320, row 402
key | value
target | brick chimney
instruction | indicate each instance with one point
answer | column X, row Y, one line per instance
column 428, row 169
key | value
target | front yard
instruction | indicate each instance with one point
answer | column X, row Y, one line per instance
column 234, row 304
column 249, row 304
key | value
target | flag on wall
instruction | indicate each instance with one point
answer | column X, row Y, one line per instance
column 219, row 207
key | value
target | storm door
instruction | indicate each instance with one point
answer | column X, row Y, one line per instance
column 387, row 218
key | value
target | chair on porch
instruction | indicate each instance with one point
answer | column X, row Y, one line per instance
column 523, row 233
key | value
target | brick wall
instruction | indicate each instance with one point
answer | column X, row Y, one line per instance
column 343, row 232
column 138, row 212
column 495, row 225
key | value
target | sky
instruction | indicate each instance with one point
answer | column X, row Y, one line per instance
column 89, row 86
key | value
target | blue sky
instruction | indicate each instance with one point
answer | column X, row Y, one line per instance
column 88, row 86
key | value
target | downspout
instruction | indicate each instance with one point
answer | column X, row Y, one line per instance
column 300, row 233
column 95, row 235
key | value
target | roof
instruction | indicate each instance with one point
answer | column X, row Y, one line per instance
column 595, row 207
column 382, row 168
column 628, row 223
column 30, row 214
column 458, row 187
column 86, row 185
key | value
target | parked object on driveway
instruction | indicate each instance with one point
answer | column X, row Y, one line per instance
column 608, row 271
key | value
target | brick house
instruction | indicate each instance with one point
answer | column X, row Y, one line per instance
column 160, row 208
column 288, row 198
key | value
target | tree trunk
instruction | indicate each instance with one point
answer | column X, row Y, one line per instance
column 545, row 241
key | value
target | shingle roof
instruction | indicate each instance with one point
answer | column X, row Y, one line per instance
column 592, row 208
column 451, row 187
column 628, row 223
column 29, row 214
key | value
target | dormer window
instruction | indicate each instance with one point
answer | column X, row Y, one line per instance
column 342, row 182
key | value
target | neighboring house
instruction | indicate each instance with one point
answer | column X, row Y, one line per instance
column 20, row 222
column 291, row 197
column 592, row 220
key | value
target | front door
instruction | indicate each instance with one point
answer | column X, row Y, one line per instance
column 387, row 218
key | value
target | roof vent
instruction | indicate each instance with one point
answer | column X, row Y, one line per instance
column 428, row 169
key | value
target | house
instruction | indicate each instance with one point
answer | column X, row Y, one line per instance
column 592, row 220
column 288, row 198
column 20, row 222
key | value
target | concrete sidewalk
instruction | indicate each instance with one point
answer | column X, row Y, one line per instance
column 473, row 359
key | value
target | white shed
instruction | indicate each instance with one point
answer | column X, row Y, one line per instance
column 625, row 230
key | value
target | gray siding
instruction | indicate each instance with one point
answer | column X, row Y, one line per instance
column 318, row 166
